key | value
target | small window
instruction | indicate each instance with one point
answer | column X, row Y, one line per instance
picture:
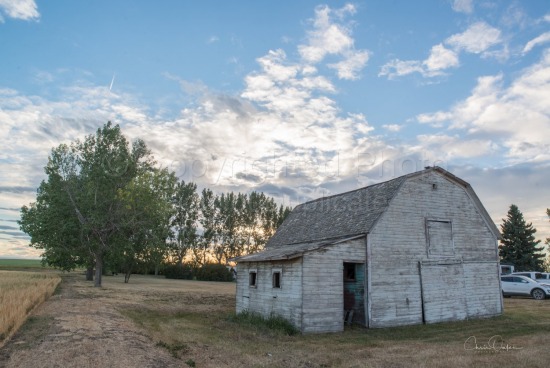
column 349, row 271
column 507, row 279
column 277, row 280
column 252, row 278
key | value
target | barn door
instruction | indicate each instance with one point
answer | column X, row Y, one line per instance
column 354, row 293
column 443, row 297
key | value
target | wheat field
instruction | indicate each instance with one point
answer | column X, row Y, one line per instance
column 20, row 293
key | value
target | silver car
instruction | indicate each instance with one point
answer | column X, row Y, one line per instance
column 523, row 286
column 537, row 276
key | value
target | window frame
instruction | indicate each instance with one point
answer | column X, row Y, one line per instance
column 279, row 272
column 430, row 251
column 251, row 278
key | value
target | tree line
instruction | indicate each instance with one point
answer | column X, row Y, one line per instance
column 518, row 245
column 106, row 203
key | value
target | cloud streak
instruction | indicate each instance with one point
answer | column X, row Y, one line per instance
column 478, row 38
column 20, row 9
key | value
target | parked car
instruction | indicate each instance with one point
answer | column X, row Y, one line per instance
column 545, row 278
column 523, row 286
column 537, row 276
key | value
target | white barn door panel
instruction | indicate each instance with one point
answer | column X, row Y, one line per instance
column 443, row 297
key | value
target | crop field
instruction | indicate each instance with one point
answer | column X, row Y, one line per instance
column 20, row 293
column 153, row 321
column 9, row 264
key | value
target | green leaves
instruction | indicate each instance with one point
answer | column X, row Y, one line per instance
column 518, row 244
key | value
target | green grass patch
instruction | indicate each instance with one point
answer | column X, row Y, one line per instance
column 21, row 263
column 175, row 349
column 273, row 322
column 517, row 321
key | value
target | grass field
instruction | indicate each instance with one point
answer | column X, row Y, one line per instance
column 20, row 293
column 20, row 263
column 194, row 322
column 200, row 327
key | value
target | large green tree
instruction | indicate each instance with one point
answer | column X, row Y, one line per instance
column 518, row 244
column 82, row 191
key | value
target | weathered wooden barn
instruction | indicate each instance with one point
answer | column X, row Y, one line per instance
column 420, row 248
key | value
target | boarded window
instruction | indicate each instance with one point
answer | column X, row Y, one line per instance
column 440, row 238
column 252, row 278
column 277, row 280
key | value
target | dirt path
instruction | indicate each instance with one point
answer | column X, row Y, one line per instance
column 77, row 327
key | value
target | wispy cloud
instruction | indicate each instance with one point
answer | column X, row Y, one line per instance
column 514, row 118
column 539, row 40
column 213, row 39
column 463, row 6
column 20, row 9
column 478, row 38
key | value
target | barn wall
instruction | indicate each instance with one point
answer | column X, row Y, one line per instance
column 398, row 243
column 323, row 292
column 266, row 300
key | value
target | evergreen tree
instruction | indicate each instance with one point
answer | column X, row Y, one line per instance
column 518, row 244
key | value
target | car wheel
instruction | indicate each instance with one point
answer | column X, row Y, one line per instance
column 538, row 294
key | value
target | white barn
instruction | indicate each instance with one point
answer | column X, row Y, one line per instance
column 420, row 248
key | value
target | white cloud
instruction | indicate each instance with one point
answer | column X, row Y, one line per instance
column 392, row 127
column 463, row 6
column 476, row 39
column 350, row 67
column 20, row 9
column 539, row 40
column 435, row 119
column 448, row 148
column 515, row 117
column 332, row 36
column 397, row 68
column 440, row 59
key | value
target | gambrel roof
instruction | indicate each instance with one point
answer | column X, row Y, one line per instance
column 354, row 213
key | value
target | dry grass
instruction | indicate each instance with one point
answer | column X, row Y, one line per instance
column 192, row 323
column 20, row 293
column 198, row 318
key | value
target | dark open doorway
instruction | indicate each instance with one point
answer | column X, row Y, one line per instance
column 354, row 293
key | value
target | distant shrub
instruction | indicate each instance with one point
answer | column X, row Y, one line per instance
column 182, row 272
column 214, row 272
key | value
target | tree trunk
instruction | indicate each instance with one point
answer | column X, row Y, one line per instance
column 90, row 273
column 156, row 269
column 98, row 270
column 127, row 276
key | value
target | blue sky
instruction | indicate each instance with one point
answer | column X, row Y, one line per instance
column 298, row 99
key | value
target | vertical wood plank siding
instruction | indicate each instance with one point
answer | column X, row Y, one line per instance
column 285, row 301
column 323, row 285
column 468, row 288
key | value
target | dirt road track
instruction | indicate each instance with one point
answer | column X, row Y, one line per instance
column 73, row 330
